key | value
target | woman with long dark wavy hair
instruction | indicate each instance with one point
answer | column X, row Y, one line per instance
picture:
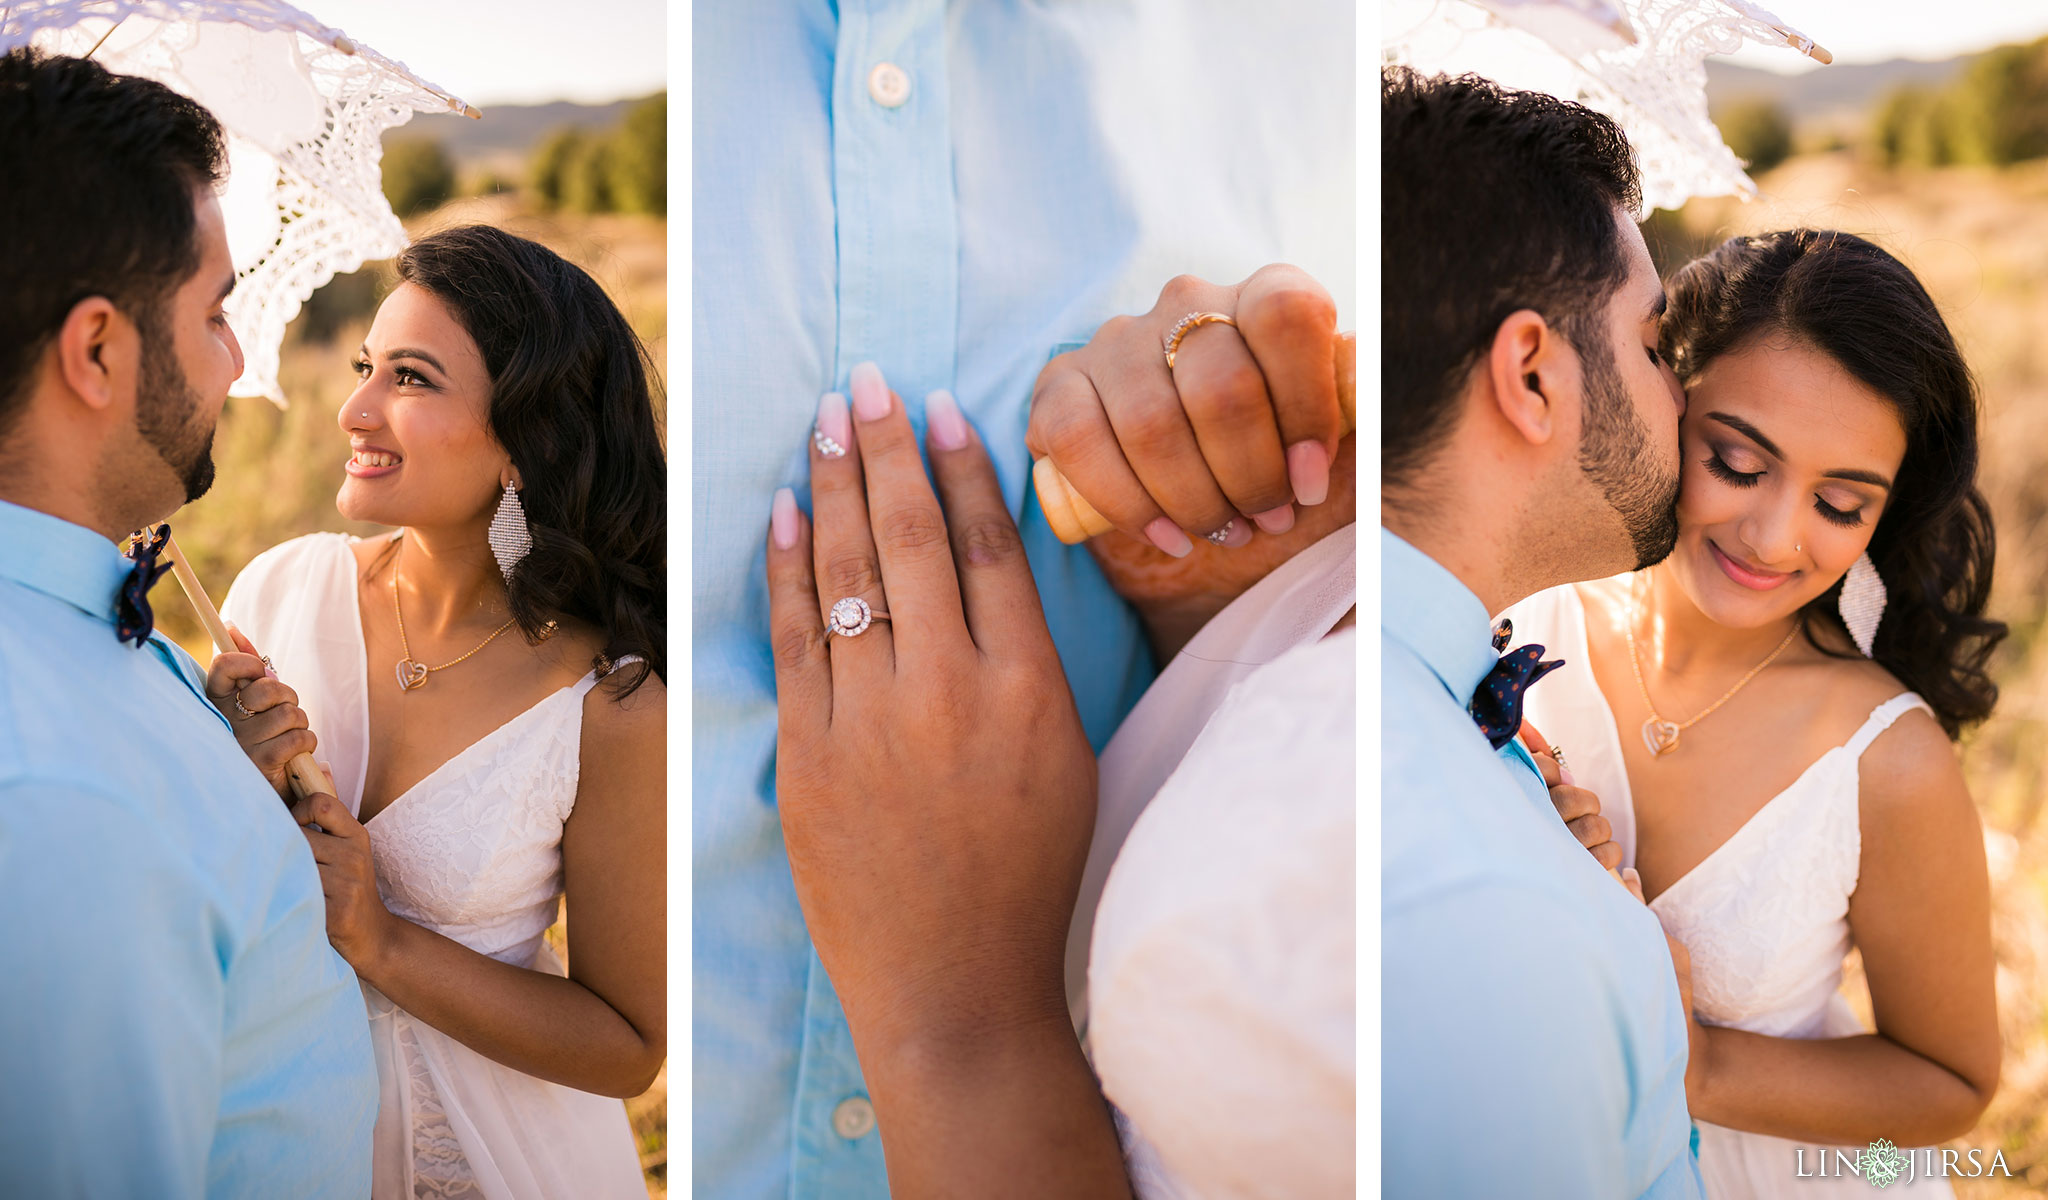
column 1764, row 721
column 486, row 686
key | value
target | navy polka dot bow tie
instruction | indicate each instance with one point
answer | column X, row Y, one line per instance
column 1497, row 705
column 133, row 619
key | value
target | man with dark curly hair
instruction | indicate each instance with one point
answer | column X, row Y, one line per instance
column 173, row 1022
column 1535, row 1038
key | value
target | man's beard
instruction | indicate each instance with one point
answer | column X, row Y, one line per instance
column 1616, row 454
column 167, row 414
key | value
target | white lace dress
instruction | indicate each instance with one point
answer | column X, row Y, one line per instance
column 1765, row 916
column 472, row 852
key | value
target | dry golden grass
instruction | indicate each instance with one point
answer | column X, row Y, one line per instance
column 1978, row 239
column 278, row 470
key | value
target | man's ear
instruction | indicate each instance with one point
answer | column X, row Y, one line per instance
column 96, row 346
column 1533, row 372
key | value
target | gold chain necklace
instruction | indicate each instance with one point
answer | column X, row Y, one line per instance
column 413, row 674
column 1660, row 736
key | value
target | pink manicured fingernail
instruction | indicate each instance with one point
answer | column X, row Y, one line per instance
column 1167, row 536
column 1276, row 520
column 782, row 519
column 1564, row 775
column 834, row 431
column 942, row 414
column 1308, row 469
column 870, row 393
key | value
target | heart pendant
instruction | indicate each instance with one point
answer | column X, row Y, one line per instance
column 410, row 674
column 1660, row 737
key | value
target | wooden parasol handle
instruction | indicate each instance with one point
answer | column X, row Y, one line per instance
column 303, row 772
column 1074, row 520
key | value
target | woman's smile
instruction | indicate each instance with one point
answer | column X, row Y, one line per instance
column 372, row 462
column 1754, row 578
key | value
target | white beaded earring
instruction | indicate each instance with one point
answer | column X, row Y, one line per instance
column 510, row 537
column 1862, row 602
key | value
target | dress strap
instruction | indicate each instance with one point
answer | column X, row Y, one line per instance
column 589, row 681
column 1881, row 719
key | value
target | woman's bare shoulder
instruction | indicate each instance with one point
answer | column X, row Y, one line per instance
column 616, row 720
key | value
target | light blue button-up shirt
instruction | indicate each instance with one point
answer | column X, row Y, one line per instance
column 1532, row 1042
column 173, row 1022
column 1049, row 166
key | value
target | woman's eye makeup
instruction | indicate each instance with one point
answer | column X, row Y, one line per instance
column 1846, row 517
column 406, row 376
column 1718, row 467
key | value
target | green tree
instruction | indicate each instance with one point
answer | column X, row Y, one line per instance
column 1914, row 128
column 587, row 186
column 417, row 175
column 552, row 165
column 2001, row 105
column 639, row 158
column 1758, row 132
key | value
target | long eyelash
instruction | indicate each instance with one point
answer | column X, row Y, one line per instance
column 1727, row 474
column 1830, row 513
column 359, row 365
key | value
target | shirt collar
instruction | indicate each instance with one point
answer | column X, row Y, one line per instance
column 60, row 559
column 1425, row 608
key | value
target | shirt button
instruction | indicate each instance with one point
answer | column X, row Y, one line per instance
column 854, row 1118
column 889, row 85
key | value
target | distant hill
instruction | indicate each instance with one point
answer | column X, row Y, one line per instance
column 1830, row 95
column 1842, row 93
column 509, row 131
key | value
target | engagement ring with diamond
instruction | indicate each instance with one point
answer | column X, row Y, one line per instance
column 851, row 617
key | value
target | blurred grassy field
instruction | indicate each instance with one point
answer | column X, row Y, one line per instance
column 278, row 470
column 1978, row 239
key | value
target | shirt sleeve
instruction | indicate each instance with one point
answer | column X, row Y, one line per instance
column 1501, row 1068
column 111, row 1013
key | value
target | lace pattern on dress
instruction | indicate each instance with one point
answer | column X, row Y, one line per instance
column 440, row 1170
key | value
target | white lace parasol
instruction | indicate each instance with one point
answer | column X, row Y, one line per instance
column 1641, row 62
column 304, row 107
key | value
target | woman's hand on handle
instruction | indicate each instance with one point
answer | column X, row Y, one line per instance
column 937, row 798
column 265, row 715
column 1238, row 430
column 1578, row 808
column 358, row 924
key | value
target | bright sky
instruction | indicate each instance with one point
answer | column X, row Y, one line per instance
column 1875, row 30
column 515, row 51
